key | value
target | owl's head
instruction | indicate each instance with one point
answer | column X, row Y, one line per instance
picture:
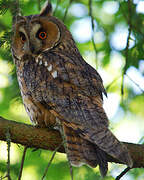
column 37, row 33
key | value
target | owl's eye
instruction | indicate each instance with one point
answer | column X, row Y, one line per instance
column 22, row 37
column 42, row 35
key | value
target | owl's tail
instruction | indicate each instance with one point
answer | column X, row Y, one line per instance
column 107, row 142
column 81, row 151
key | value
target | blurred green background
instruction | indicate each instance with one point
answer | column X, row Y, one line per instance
column 104, row 45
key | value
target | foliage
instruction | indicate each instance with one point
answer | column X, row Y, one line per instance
column 109, row 35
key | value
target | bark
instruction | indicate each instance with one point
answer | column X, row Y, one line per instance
column 49, row 139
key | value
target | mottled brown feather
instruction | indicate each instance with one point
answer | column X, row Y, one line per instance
column 81, row 151
column 56, row 82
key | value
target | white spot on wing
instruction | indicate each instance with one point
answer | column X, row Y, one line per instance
column 40, row 63
column 45, row 63
column 54, row 74
column 49, row 68
column 37, row 60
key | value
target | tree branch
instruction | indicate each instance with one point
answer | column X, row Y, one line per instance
column 122, row 173
column 30, row 136
column 22, row 162
column 50, row 139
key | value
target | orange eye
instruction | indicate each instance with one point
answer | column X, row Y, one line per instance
column 42, row 35
column 22, row 37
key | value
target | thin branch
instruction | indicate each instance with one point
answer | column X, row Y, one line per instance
column 127, row 47
column 90, row 13
column 17, row 5
column 142, row 90
column 66, row 11
column 57, row 3
column 71, row 170
column 66, row 150
column 133, row 26
column 3, row 177
column 93, row 26
column 22, row 163
column 8, row 139
column 111, row 83
column 122, row 173
column 126, row 62
column 50, row 139
column 38, row 1
column 54, row 153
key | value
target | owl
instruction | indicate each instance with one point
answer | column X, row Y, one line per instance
column 59, row 87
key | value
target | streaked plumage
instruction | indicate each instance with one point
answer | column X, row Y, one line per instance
column 56, row 83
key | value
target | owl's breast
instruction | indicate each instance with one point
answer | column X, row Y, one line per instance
column 31, row 82
column 41, row 77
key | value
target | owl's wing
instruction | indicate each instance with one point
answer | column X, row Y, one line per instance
column 75, row 96
column 72, row 91
column 82, row 75
column 76, row 91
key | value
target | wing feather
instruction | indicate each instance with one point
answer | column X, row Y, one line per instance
column 75, row 96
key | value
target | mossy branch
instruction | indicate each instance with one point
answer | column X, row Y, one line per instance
column 49, row 139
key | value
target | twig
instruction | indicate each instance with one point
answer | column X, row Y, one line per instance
column 17, row 7
column 126, row 62
column 46, row 170
column 8, row 139
column 123, row 173
column 141, row 141
column 127, row 47
column 111, row 83
column 71, row 170
column 93, row 26
column 57, row 3
column 66, row 150
column 3, row 177
column 90, row 13
column 38, row 1
column 135, row 83
column 22, row 162
column 134, row 26
column 66, row 11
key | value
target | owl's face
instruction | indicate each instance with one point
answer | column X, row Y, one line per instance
column 35, row 34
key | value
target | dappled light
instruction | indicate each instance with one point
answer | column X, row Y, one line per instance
column 118, row 56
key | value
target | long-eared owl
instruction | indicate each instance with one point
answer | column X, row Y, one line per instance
column 58, row 85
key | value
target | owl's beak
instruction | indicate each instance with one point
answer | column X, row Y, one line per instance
column 28, row 48
column 32, row 49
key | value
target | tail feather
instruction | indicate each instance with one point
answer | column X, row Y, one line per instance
column 94, row 155
column 107, row 142
column 81, row 151
column 102, row 161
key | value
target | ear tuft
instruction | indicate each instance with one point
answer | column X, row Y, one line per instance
column 47, row 9
column 17, row 18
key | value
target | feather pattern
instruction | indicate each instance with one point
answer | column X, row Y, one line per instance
column 56, row 83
